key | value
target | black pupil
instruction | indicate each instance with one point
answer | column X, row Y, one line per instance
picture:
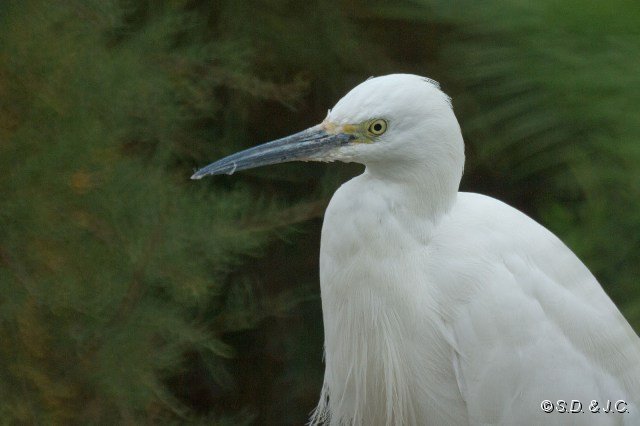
column 377, row 127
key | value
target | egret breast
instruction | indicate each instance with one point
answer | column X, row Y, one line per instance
column 383, row 335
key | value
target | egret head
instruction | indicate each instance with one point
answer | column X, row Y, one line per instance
column 396, row 125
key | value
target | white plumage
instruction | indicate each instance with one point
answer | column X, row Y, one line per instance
column 449, row 308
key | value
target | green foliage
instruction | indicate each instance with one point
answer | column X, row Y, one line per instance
column 109, row 261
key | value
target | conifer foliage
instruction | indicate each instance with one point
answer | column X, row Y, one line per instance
column 109, row 260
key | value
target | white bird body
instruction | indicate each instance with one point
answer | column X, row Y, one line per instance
column 449, row 308
column 492, row 315
column 442, row 307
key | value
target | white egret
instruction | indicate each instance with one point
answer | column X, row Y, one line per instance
column 443, row 307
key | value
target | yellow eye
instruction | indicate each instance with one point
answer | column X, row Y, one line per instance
column 378, row 127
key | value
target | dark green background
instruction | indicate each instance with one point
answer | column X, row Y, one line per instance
column 132, row 295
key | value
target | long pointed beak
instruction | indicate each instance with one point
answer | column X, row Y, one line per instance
column 310, row 144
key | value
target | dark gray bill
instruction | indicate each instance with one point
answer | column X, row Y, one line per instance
column 305, row 145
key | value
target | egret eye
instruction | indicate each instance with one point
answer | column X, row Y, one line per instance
column 378, row 127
